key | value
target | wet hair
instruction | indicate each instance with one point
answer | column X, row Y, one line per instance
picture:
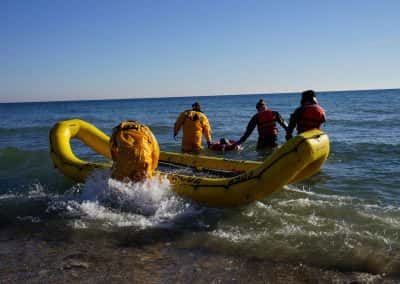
column 308, row 96
column 196, row 104
column 260, row 103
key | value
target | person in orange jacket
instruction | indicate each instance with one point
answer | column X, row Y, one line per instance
column 265, row 119
column 194, row 125
column 134, row 151
column 310, row 115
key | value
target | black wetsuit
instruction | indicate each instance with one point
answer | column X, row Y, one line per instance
column 266, row 140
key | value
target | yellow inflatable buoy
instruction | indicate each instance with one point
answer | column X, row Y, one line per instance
column 296, row 160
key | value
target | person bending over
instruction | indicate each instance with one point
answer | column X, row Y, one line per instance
column 265, row 119
column 134, row 151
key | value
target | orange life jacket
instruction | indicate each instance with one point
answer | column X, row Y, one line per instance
column 266, row 123
column 311, row 118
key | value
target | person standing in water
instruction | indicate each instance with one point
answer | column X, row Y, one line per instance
column 309, row 115
column 194, row 125
column 265, row 119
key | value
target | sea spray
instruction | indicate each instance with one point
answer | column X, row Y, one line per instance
column 118, row 204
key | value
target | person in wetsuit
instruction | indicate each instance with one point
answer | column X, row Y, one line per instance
column 310, row 115
column 265, row 119
column 194, row 125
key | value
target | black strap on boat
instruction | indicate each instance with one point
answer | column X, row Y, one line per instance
column 220, row 173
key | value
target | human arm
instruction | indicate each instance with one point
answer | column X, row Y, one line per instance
column 207, row 130
column 249, row 129
column 323, row 117
column 281, row 121
column 178, row 124
column 292, row 123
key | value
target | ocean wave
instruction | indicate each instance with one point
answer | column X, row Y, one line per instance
column 107, row 203
column 34, row 191
column 29, row 205
column 367, row 123
column 12, row 156
column 161, row 129
column 371, row 149
column 25, row 131
column 15, row 161
column 293, row 191
column 20, row 169
column 290, row 228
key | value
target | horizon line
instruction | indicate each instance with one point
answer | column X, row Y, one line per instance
column 199, row 96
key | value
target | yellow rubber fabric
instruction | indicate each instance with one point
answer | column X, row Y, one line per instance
column 194, row 124
column 296, row 160
column 135, row 151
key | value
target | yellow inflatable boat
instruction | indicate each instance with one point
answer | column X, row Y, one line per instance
column 298, row 159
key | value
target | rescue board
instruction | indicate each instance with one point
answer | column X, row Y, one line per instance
column 296, row 160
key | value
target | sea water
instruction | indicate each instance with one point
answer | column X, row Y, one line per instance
column 345, row 218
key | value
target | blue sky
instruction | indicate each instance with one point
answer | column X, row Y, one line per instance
column 91, row 49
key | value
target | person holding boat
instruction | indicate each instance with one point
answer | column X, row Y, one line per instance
column 134, row 151
column 265, row 119
column 194, row 124
column 310, row 115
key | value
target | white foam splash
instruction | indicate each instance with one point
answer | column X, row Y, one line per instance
column 107, row 217
column 235, row 235
column 302, row 202
column 32, row 219
column 319, row 195
column 316, row 221
column 7, row 196
column 36, row 190
column 387, row 220
column 120, row 204
column 311, row 217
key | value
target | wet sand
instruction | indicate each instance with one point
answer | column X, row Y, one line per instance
column 53, row 252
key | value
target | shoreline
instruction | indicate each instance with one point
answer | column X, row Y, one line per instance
column 54, row 253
